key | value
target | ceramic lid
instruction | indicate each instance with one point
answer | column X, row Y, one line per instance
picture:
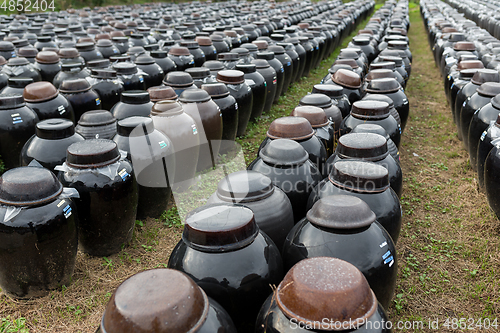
column 383, row 65
column 245, row 186
column 489, row 89
column 178, row 79
column 144, row 60
column 495, row 101
column 198, row 72
column 228, row 56
column 104, row 43
column 6, row 46
column 101, row 73
column 69, row 52
column 19, row 82
column 325, row 287
column 2, row 61
column 466, row 64
column 231, row 76
column 464, row 46
column 250, row 46
column 349, row 62
column 366, row 146
column 74, row 86
column 371, row 128
column 96, row 118
column 27, row 52
column 134, row 97
column 158, row 54
column 383, row 85
column 485, row 75
column 398, row 44
column 242, row 52
column 396, row 60
column 347, row 78
column 55, row 129
column 127, row 125
column 194, row 96
column 216, row 89
column 294, row 128
column 359, row 176
column 370, row 109
column 260, row 63
column 261, row 44
column 85, row 46
column 315, row 115
column 93, row 153
column 39, row 92
column 320, row 100
column 98, row 63
column 160, row 93
column 166, row 108
column 341, row 212
column 246, row 68
column 468, row 73
column 283, row 152
column 28, row 186
column 125, row 68
column 348, row 54
column 331, row 90
column 220, row 228
column 179, row 51
column 203, row 41
column 159, row 300
column 11, row 101
column 379, row 97
column 214, row 65
column 18, row 61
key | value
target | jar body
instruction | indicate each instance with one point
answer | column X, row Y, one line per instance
column 63, row 76
column 182, row 62
column 484, row 147
column 492, row 179
column 389, row 124
column 132, row 81
column 109, row 92
column 123, row 110
column 269, row 75
column 154, row 75
column 244, row 97
column 280, row 75
column 166, row 64
column 481, row 120
column 229, row 110
column 82, row 102
column 210, row 52
column 474, row 103
column 57, row 107
column 48, row 71
column 259, row 90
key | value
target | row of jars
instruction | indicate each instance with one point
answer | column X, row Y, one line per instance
column 468, row 58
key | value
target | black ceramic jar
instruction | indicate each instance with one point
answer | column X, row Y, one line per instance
column 258, row 85
column 162, row 59
column 48, row 65
column 70, row 71
column 491, row 177
column 88, row 51
column 195, row 50
column 21, row 67
column 179, row 81
column 96, row 124
column 107, row 48
column 336, row 93
column 323, row 127
column 217, row 234
column 324, row 102
column 350, row 82
column 377, row 129
column 107, row 205
column 181, row 57
column 45, row 100
column 201, row 75
column 205, row 44
column 132, row 103
column 154, row 72
column 286, row 61
column 38, row 233
column 80, row 94
column 108, row 87
column 486, row 143
column 280, row 73
column 130, row 75
column 16, row 85
column 269, row 74
column 385, row 98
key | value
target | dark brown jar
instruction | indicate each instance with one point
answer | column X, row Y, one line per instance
column 170, row 119
column 288, row 166
column 161, row 58
column 258, row 85
column 130, row 75
column 336, row 93
column 97, row 124
column 286, row 61
column 161, row 93
column 48, row 65
column 151, row 152
column 280, row 73
column 38, row 233
column 107, row 48
column 80, row 94
column 324, row 102
column 70, row 71
column 21, row 67
column 48, row 145
column 218, row 234
column 377, row 129
column 179, row 81
column 199, row 105
column 207, row 47
column 132, row 103
column 344, row 227
column 369, row 182
column 220, row 45
column 17, row 125
column 107, row 205
column 46, row 101
column 154, row 72
column 7, row 50
column 195, row 51
column 322, row 295
column 350, row 81
column 269, row 74
column 88, row 52
column 486, row 143
column 271, row 207
column 188, row 308
column 108, row 87
column 323, row 128
column 181, row 56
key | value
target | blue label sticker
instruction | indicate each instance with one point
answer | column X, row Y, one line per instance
column 97, row 101
column 141, row 79
column 388, row 260
column 124, row 174
column 388, row 253
column 289, row 63
column 163, row 144
column 16, row 118
column 483, row 136
column 67, row 211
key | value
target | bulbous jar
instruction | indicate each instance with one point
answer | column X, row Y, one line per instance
column 88, row 52
column 288, row 166
column 486, row 142
column 16, row 85
column 181, row 56
column 130, row 75
column 107, row 48
column 162, row 59
column 377, row 129
column 350, row 82
column 179, row 81
column 286, row 62
column 294, row 57
column 199, row 105
column 107, row 85
column 17, row 125
column 324, row 102
column 271, row 207
column 258, row 85
column 195, row 50
column 217, row 234
column 392, row 110
column 70, row 55
column 322, row 295
column 154, row 72
column 214, row 65
column 48, row 145
column 21, row 67
column 229, row 59
column 235, row 82
column 220, row 45
column 344, row 227
column 107, row 205
column 280, row 72
column 161, row 93
column 96, row 124
column 48, row 65
column 81, row 96
column 201, row 76
column 336, row 93
column 38, row 233
column 44, row 41
column 43, row 98
column 70, row 71
column 151, row 152
column 369, row 182
column 132, row 103
column 302, row 56
column 198, row 313
column 205, row 44
column 170, row 119
column 7, row 50
column 269, row 74
column 323, row 128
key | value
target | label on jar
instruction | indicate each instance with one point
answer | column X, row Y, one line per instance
column 141, row 79
column 16, row 118
column 483, row 135
column 97, row 101
column 250, row 82
column 195, row 130
column 289, row 63
column 236, row 106
column 162, row 144
column 61, row 109
column 61, row 203
column 383, row 244
column 124, row 174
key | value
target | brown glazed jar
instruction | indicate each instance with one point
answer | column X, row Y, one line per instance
column 323, row 101
column 48, row 64
column 218, row 234
column 96, row 124
column 161, row 93
column 80, row 94
column 170, row 119
column 188, row 308
column 199, row 105
column 323, row 128
column 336, row 93
column 46, row 101
column 322, row 295
column 107, row 205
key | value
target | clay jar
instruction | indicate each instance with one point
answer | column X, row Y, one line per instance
column 195, row 50
column 188, row 309
column 70, row 55
column 218, row 234
column 181, row 56
column 229, row 59
column 132, row 103
column 324, row 102
column 372, row 112
column 132, row 78
column 200, row 75
column 17, row 125
column 270, row 76
column 199, row 105
column 369, row 182
column 107, row 206
column 377, row 129
column 107, row 48
column 491, row 177
column 151, row 152
column 286, row 62
column 486, row 143
column 179, row 81
column 369, row 147
column 162, row 59
column 235, row 82
column 464, row 77
column 350, row 81
column 48, row 65
column 170, row 119
column 302, row 56
column 280, row 73
column 107, row 86
column 70, row 71
column 154, row 72
column 80, row 94
column 205, row 44
column 319, row 288
column 288, row 166
column 96, row 124
column 258, row 85
column 16, row 85
column 21, row 67
column 294, row 57
column 48, row 145
column 336, row 93
column 88, row 52
column 271, row 207
column 344, row 227
column 323, row 128
column 44, row 99
column 7, row 50
column 38, row 233
column 384, row 98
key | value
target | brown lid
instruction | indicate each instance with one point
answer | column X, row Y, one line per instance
column 39, row 92
column 316, row 116
column 160, row 93
column 359, row 176
column 383, row 65
column 74, row 86
column 383, row 85
column 166, row 108
column 349, row 62
column 69, row 52
column 294, row 128
column 261, row 44
column 203, row 41
column 231, row 76
column 27, row 52
column 47, row 57
column 370, row 109
column 2, row 61
column 347, row 78
column 157, row 300
column 380, row 74
column 303, row 25
column 467, row 64
column 464, row 46
column 179, row 51
column 365, row 146
column 489, row 89
column 485, row 75
column 324, row 287
column 495, row 101
column 448, row 30
column 116, row 33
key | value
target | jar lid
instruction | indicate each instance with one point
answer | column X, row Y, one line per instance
column 179, row 51
column 320, row 100
column 198, row 72
column 341, row 212
column 68, row 53
column 167, row 108
column 250, row 47
column 194, row 96
column 158, row 54
column 125, row 68
column 241, row 51
column 467, row 64
column 261, row 44
column 348, row 54
column 347, row 78
column 276, row 49
column 220, row 227
column 216, row 89
column 375, row 74
column 19, row 82
column 85, row 46
column 265, row 55
column 349, row 62
column 260, row 63
column 325, row 287
column 294, row 128
column 160, row 93
column 18, row 61
column 41, row 91
column 185, row 311
column 366, row 146
column 27, row 52
column 93, row 153
column 315, row 115
column 96, row 118
column 485, row 75
column 383, row 65
column 489, row 89
column 213, row 65
column 127, row 125
column 74, row 86
column 371, row 128
column 104, row 43
column 178, row 79
column 398, row 44
column 383, row 85
column 359, row 176
column 144, row 60
column 370, row 109
column 203, row 41
column 398, row 61
column 283, row 152
column 228, row 56
column 190, row 44
column 27, row 186
column 464, row 46
column 6, row 46
column 495, row 101
column 244, row 186
column 231, row 76
column 55, row 129
column 331, row 90
column 217, row 38
column 11, row 101
column 135, row 97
